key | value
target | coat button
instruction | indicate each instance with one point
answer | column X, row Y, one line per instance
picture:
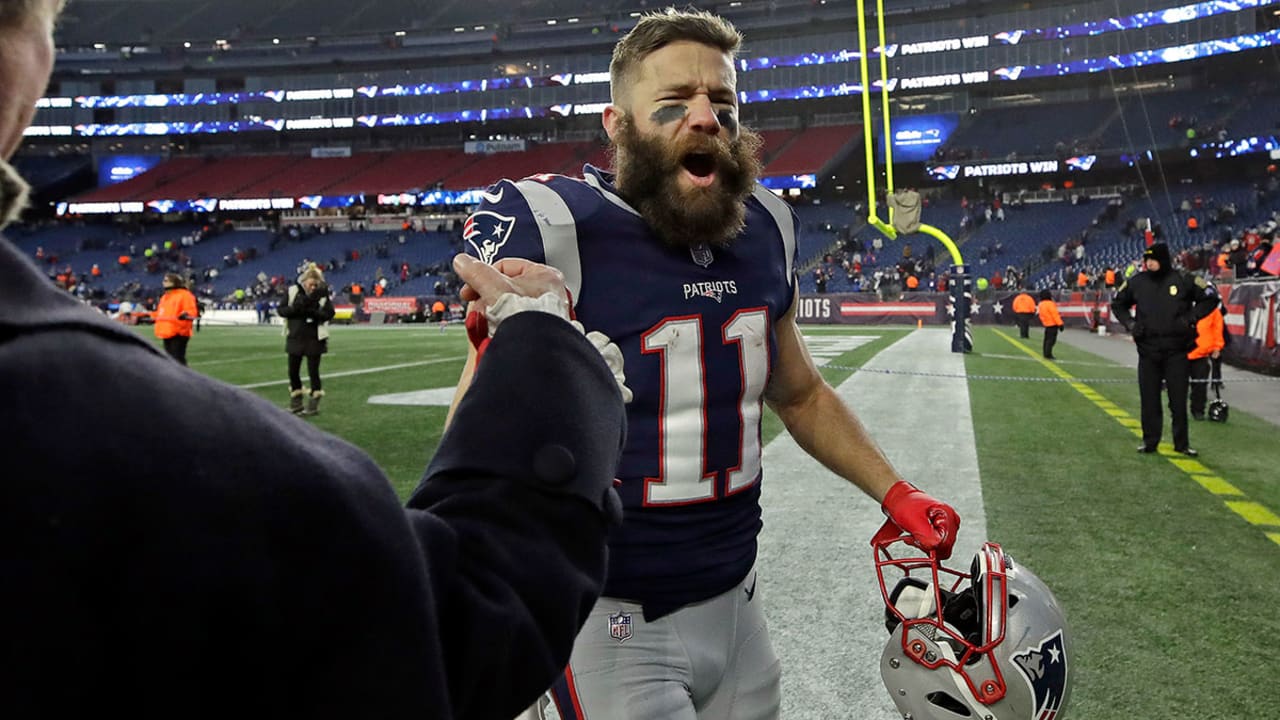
column 554, row 465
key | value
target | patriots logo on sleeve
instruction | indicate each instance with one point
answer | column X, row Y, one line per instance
column 487, row 231
column 1045, row 669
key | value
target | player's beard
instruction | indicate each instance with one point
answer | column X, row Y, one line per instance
column 648, row 177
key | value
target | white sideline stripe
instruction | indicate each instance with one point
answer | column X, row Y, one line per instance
column 817, row 579
column 365, row 371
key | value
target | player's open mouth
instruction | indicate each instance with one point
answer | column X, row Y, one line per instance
column 701, row 168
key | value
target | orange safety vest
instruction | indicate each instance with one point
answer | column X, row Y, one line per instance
column 1082, row 280
column 1208, row 335
column 1024, row 303
column 1049, row 316
column 1110, row 278
column 438, row 307
column 913, row 282
column 175, row 302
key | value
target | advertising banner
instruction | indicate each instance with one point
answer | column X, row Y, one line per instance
column 391, row 305
column 1254, row 323
column 931, row 308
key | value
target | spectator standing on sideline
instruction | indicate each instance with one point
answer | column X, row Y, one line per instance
column 1169, row 306
column 1051, row 320
column 174, row 316
column 307, row 312
column 438, row 311
column 690, row 265
column 1024, row 308
column 249, row 560
column 1206, row 360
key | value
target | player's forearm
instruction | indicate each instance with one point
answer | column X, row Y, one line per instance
column 464, row 382
column 829, row 431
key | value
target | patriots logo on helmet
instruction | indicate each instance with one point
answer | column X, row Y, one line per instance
column 1045, row 669
column 487, row 231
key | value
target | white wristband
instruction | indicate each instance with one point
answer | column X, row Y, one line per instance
column 509, row 304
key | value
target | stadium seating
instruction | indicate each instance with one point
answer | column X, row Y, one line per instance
column 187, row 178
column 812, row 150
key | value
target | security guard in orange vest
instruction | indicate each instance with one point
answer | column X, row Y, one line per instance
column 1206, row 359
column 1052, row 321
column 1024, row 308
column 174, row 317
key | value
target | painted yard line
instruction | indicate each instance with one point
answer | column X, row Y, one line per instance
column 1253, row 512
column 1216, row 485
column 365, row 371
column 363, row 349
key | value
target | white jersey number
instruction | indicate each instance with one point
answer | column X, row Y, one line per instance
column 682, row 413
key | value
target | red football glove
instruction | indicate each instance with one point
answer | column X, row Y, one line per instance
column 478, row 332
column 932, row 523
column 478, row 327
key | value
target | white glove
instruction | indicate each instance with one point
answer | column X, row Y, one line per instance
column 509, row 304
column 612, row 357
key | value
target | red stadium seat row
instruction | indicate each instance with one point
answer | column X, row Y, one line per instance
column 788, row 152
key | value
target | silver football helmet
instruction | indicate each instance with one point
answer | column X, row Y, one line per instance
column 990, row 644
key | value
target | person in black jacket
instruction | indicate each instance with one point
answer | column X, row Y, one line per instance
column 247, row 562
column 307, row 312
column 1169, row 306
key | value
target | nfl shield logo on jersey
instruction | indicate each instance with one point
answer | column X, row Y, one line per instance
column 620, row 626
column 702, row 254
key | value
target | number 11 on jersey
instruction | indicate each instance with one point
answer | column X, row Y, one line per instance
column 682, row 438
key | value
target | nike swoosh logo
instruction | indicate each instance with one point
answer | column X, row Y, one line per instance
column 492, row 198
column 751, row 591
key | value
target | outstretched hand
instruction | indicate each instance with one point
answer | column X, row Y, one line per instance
column 508, row 286
column 486, row 284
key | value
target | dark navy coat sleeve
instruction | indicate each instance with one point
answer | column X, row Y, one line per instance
column 518, row 474
column 172, row 545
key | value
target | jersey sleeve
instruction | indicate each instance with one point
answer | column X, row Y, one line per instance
column 794, row 258
column 788, row 224
column 503, row 226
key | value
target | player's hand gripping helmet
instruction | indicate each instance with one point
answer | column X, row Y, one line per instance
column 991, row 644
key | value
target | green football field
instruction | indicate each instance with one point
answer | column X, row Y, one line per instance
column 1169, row 568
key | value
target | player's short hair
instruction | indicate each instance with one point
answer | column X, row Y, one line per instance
column 658, row 29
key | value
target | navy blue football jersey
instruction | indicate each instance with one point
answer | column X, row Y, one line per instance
column 695, row 327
